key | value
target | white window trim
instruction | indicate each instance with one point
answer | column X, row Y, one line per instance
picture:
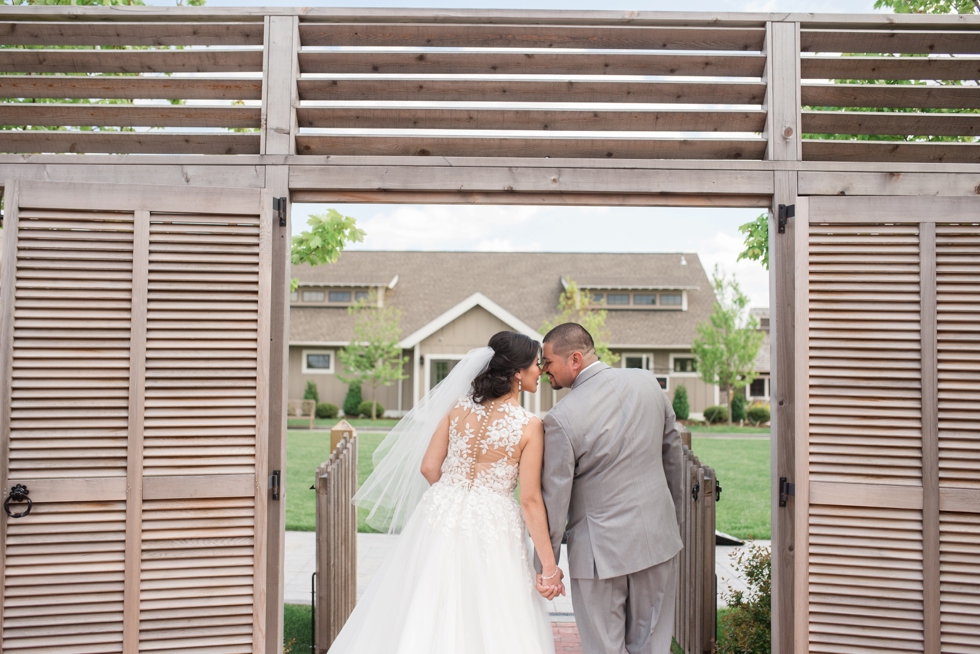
column 320, row 371
column 673, row 373
column 760, row 398
column 647, row 359
column 667, row 377
column 428, row 366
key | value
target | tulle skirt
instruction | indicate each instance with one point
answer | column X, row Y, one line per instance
column 457, row 582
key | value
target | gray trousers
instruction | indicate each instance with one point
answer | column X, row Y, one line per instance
column 634, row 612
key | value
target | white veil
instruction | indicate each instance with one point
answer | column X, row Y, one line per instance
column 393, row 490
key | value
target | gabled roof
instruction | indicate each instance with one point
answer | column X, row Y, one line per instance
column 524, row 285
column 475, row 300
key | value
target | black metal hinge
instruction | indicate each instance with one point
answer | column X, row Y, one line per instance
column 786, row 491
column 786, row 211
column 274, row 483
column 279, row 206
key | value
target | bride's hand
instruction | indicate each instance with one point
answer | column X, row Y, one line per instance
column 553, row 587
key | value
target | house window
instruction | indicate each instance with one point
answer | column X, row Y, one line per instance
column 638, row 361
column 318, row 361
column 672, row 299
column 764, row 324
column 294, row 296
column 644, row 299
column 758, row 388
column 634, row 362
column 596, row 298
column 663, row 381
column 685, row 364
column 618, row 298
column 313, row 296
column 340, row 296
column 440, row 370
column 361, row 296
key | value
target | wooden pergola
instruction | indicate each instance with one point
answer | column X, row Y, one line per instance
column 167, row 244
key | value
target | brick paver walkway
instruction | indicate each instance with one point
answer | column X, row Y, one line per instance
column 566, row 638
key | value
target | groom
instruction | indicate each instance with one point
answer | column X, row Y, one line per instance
column 612, row 482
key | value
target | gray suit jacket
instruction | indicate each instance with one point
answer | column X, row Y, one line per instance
column 612, row 473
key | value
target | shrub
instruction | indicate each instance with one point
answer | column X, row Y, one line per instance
column 715, row 414
column 326, row 411
column 682, row 408
column 365, row 409
column 738, row 407
column 352, row 403
column 311, row 392
column 745, row 627
column 758, row 414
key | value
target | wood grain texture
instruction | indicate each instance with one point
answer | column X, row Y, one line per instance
column 532, row 147
column 884, row 209
column 892, row 123
column 92, row 197
column 517, row 90
column 150, row 88
column 890, row 41
column 801, row 420
column 866, row 495
column 783, row 100
column 891, row 68
column 110, row 33
column 278, row 134
column 962, row 500
column 866, row 151
column 130, row 61
column 526, row 36
column 880, row 96
column 129, row 142
column 386, row 62
column 198, row 486
column 178, row 176
column 532, row 119
column 537, row 199
column 911, row 184
column 129, row 115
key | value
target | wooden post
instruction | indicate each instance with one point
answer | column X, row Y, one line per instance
column 279, row 90
column 339, row 432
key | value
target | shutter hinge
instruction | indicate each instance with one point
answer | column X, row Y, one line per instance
column 786, row 491
column 786, row 211
column 279, row 206
column 274, row 482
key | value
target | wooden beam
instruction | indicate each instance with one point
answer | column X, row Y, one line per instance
column 128, row 115
column 129, row 142
column 881, row 96
column 597, row 62
column 130, row 61
column 149, row 88
column 101, row 489
column 537, row 199
column 783, row 96
column 876, row 209
column 91, row 197
column 179, row 175
column 106, row 33
column 891, row 68
column 469, row 90
column 959, row 500
column 831, row 150
column 901, row 124
column 890, row 41
column 280, row 87
column 8, row 271
column 497, row 146
column 624, row 119
column 440, row 35
column 854, row 183
column 801, row 428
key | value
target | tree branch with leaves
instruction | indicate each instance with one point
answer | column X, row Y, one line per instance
column 578, row 306
column 373, row 356
column 325, row 239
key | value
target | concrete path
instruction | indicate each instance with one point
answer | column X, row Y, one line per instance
column 373, row 548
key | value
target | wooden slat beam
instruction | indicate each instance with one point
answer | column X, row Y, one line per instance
column 890, row 41
column 496, row 146
column 903, row 124
column 150, row 88
column 864, row 151
column 891, row 68
column 872, row 495
column 178, row 175
column 386, row 62
column 531, row 36
column 106, row 33
column 873, row 209
column 527, row 119
column 911, row 184
column 129, row 142
column 129, row 115
column 130, row 61
column 783, row 92
column 537, row 199
column 198, row 486
column 470, row 90
column 891, row 96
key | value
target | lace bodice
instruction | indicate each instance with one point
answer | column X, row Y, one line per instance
column 483, row 444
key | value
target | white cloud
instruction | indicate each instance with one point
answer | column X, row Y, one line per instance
column 722, row 249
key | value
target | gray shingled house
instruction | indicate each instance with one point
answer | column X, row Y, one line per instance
column 454, row 301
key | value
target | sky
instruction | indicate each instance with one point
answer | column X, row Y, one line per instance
column 711, row 233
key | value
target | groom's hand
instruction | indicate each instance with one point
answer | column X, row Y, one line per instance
column 551, row 588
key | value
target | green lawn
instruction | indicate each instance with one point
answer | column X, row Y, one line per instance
column 297, row 620
column 742, row 466
column 725, row 429
column 305, row 450
column 367, row 423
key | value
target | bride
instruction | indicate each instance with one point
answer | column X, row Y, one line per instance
column 460, row 580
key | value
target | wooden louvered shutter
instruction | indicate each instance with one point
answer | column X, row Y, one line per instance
column 888, row 442
column 135, row 344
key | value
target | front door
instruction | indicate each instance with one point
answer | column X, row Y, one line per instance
column 133, row 366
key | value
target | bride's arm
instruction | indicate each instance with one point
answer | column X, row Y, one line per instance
column 436, row 453
column 532, row 502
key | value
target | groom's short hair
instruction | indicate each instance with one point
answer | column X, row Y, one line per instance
column 570, row 337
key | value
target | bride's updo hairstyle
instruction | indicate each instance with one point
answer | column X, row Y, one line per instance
column 511, row 352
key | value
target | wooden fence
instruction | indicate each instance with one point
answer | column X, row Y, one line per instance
column 336, row 541
column 696, row 609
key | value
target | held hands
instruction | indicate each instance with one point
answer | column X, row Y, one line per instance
column 550, row 586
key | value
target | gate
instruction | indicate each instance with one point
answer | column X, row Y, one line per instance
column 887, row 490
column 135, row 357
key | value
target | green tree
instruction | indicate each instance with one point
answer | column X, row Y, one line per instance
column 930, row 6
column 352, row 400
column 311, row 392
column 727, row 343
column 681, row 405
column 373, row 356
column 577, row 306
column 323, row 242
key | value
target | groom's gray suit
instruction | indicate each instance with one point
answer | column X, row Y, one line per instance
column 611, row 481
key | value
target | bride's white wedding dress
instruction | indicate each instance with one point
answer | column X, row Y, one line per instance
column 459, row 580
